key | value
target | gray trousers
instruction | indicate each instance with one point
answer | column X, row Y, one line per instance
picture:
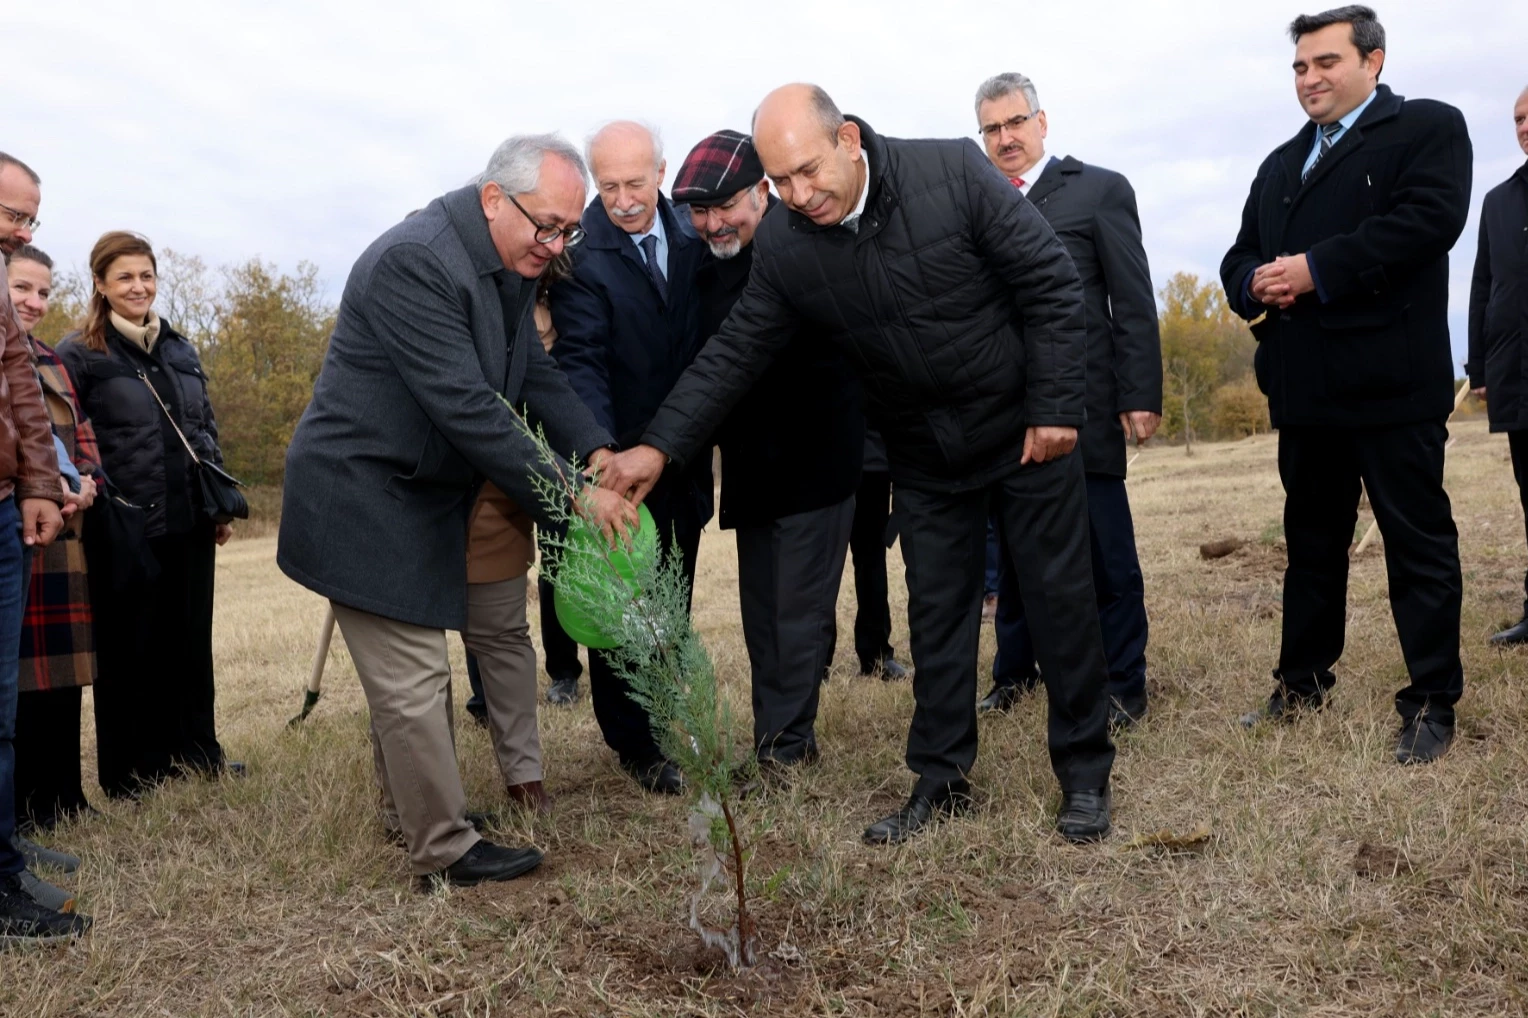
column 788, row 575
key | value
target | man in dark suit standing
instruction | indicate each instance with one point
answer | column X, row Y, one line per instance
column 628, row 324
column 1498, row 364
column 408, row 417
column 962, row 315
column 1093, row 211
column 791, row 451
column 1342, row 260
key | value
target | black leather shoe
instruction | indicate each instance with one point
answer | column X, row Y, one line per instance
column 486, row 861
column 660, row 777
column 1423, row 739
column 1284, row 707
column 1084, row 815
column 1002, row 698
column 919, row 812
column 888, row 669
column 562, row 692
column 1512, row 636
column 236, row 768
column 1127, row 712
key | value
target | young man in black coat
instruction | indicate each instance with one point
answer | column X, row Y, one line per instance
column 1093, row 211
column 1343, row 259
column 1498, row 365
column 791, row 451
column 628, row 324
column 963, row 317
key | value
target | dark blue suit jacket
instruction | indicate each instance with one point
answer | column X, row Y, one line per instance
column 623, row 347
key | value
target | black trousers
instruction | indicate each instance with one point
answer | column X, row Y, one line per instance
column 1401, row 467
column 625, row 725
column 867, row 544
column 48, row 783
column 1042, row 509
column 1517, row 441
column 154, row 687
column 788, row 573
column 560, row 653
column 1117, row 583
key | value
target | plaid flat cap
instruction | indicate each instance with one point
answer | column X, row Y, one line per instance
column 716, row 169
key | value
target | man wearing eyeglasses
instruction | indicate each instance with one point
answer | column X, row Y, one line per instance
column 435, row 325
column 1093, row 211
column 30, row 496
column 628, row 324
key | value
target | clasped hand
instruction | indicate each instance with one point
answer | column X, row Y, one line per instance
column 1282, row 280
column 610, row 504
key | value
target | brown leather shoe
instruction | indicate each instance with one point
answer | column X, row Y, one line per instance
column 530, row 795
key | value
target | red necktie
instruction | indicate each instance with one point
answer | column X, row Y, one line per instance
column 1016, row 181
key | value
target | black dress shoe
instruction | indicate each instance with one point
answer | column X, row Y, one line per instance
column 888, row 669
column 1084, row 815
column 486, row 861
column 1423, row 739
column 1285, row 707
column 1002, row 698
column 236, row 768
column 1512, row 636
column 919, row 812
column 1127, row 712
column 562, row 692
column 660, row 777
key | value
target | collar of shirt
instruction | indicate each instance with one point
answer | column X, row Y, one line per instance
column 655, row 230
column 852, row 219
column 1346, row 122
column 1034, row 172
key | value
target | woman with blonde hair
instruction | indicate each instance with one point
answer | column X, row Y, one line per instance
column 141, row 384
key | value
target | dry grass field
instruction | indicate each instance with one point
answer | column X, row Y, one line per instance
column 1333, row 882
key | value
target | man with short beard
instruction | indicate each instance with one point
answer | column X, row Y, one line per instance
column 791, row 454
column 627, row 322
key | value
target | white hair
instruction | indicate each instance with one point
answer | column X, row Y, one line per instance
column 1005, row 84
column 516, row 164
column 652, row 133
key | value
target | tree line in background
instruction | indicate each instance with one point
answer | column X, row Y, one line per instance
column 262, row 334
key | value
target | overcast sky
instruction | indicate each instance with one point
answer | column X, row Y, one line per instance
column 300, row 129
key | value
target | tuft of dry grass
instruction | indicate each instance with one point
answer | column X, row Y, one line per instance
column 1333, row 883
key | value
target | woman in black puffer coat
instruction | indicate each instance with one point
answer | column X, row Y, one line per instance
column 154, row 691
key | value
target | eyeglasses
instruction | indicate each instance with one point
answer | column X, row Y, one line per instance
column 547, row 232
column 1012, row 123
column 20, row 218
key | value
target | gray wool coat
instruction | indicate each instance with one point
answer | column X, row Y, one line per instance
column 406, row 423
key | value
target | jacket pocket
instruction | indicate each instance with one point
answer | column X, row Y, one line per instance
column 1367, row 354
column 440, row 467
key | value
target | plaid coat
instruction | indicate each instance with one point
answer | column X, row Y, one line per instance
column 57, row 640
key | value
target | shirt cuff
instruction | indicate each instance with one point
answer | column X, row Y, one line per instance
column 1247, row 289
column 1315, row 277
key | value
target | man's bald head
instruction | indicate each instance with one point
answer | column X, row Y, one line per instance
column 626, row 160
column 810, row 152
column 1520, row 120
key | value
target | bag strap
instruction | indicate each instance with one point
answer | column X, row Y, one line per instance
column 169, row 417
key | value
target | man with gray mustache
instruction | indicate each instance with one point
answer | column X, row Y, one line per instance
column 628, row 324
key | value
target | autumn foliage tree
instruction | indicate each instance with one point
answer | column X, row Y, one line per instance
column 261, row 334
column 1206, row 349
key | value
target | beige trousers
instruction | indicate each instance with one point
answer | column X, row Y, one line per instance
column 499, row 635
column 406, row 675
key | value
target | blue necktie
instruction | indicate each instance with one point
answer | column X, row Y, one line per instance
column 1328, row 132
column 650, row 249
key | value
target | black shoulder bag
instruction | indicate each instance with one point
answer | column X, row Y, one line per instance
column 222, row 500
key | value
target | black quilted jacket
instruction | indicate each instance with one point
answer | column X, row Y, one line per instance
column 955, row 304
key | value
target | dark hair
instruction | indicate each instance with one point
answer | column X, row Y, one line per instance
column 1368, row 34
column 111, row 246
column 28, row 253
column 10, row 160
column 560, row 267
